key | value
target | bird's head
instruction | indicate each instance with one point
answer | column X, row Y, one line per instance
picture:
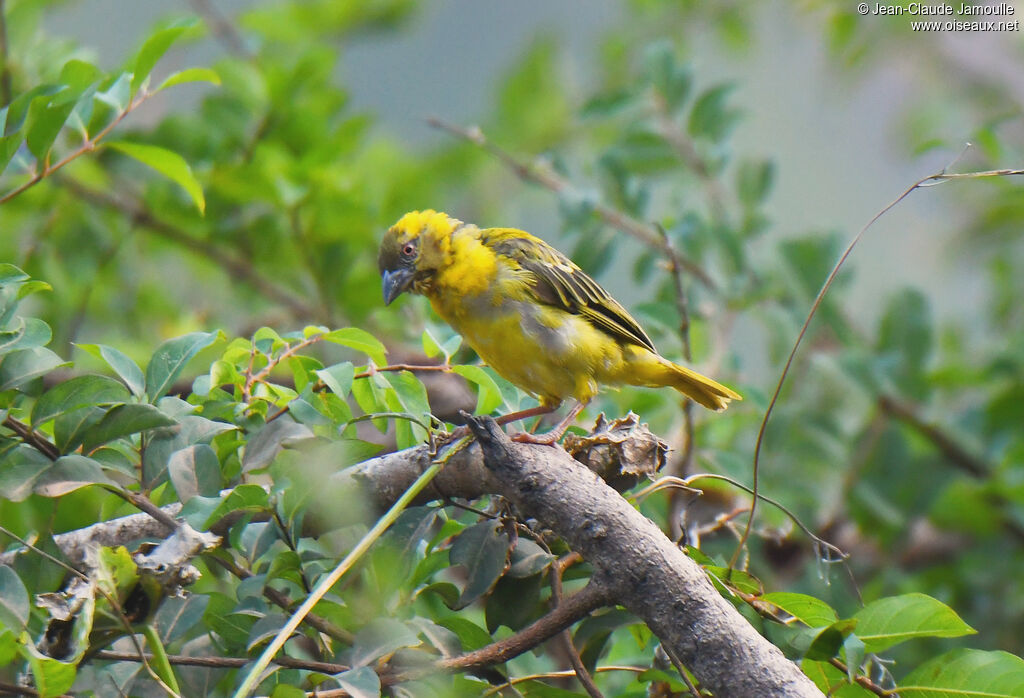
column 413, row 250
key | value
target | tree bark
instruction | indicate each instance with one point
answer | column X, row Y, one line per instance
column 644, row 570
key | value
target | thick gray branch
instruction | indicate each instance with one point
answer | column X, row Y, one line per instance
column 645, row 571
column 653, row 577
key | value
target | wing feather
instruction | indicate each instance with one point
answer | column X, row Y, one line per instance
column 558, row 282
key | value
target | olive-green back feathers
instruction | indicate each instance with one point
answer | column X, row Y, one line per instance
column 560, row 283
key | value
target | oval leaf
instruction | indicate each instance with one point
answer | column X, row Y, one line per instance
column 966, row 673
column 13, row 600
column 892, row 620
column 380, row 638
column 806, row 609
column 360, row 340
column 190, row 75
column 195, row 470
column 488, row 396
column 122, row 364
column 68, row 474
column 20, row 367
column 483, row 550
column 76, row 393
column 124, row 420
column 153, row 50
column 169, row 164
column 170, row 359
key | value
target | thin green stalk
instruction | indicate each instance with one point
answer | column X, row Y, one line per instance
column 161, row 664
column 253, row 677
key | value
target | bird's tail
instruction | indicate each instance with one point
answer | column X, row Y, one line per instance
column 658, row 372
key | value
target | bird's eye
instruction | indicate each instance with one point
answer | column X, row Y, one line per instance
column 409, row 249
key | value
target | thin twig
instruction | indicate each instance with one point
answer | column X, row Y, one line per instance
column 562, row 675
column 549, row 179
column 584, row 677
column 222, row 28
column 275, row 362
column 88, row 145
column 31, row 437
column 281, row 600
column 237, row 267
column 228, row 662
column 573, row 609
column 953, row 451
column 686, row 150
column 930, row 180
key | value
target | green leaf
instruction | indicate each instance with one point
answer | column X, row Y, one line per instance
column 754, row 181
column 8, row 147
column 251, row 498
column 20, row 367
column 827, row 642
column 122, row 364
column 711, row 116
column 165, row 442
column 10, row 274
column 30, row 334
column 44, row 121
column 168, row 163
column 431, row 347
column 14, row 606
column 360, row 340
column 190, row 75
column 379, row 639
column 170, row 360
column 966, row 673
column 50, row 677
column 488, row 396
column 76, row 393
column 268, row 442
column 905, row 341
column 895, row 619
column 338, row 378
column 483, row 550
column 124, row 420
column 153, row 50
column 19, row 471
column 672, row 81
column 471, row 635
column 69, row 429
column 807, row 609
column 195, row 470
column 70, row 473
column 361, row 682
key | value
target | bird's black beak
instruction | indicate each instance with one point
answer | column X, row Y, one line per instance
column 396, row 282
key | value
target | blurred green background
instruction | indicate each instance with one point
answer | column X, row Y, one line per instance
column 760, row 135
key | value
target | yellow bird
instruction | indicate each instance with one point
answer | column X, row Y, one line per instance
column 531, row 314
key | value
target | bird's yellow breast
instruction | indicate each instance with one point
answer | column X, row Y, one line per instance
column 548, row 352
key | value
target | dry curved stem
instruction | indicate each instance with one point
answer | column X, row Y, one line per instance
column 584, row 677
column 670, row 481
column 930, row 180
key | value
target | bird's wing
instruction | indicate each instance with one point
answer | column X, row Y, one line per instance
column 558, row 282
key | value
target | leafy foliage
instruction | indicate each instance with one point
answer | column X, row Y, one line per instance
column 902, row 441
